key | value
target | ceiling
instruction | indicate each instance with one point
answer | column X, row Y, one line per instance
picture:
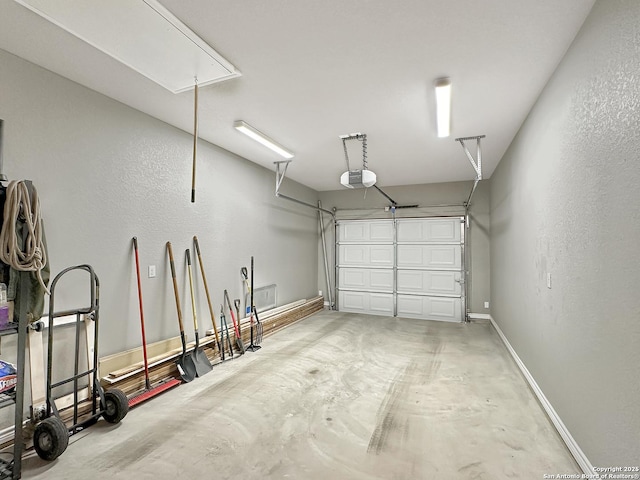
column 314, row 70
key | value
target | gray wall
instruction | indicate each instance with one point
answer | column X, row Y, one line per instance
column 352, row 203
column 565, row 201
column 106, row 172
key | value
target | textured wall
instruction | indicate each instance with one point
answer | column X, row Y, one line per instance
column 565, row 201
column 106, row 172
column 354, row 204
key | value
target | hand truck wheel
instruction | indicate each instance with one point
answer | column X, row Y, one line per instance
column 50, row 438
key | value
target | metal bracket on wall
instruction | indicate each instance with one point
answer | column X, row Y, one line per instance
column 476, row 164
column 281, row 171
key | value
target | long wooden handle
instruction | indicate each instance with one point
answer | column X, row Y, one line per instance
column 193, row 298
column 195, row 143
column 144, row 337
column 206, row 289
column 175, row 287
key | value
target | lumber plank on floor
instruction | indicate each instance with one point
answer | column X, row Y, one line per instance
column 130, row 379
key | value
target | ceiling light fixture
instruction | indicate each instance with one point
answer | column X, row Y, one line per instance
column 260, row 137
column 443, row 105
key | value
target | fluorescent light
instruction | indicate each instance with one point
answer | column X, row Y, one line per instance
column 443, row 104
column 260, row 137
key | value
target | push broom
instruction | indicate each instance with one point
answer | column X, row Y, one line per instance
column 164, row 385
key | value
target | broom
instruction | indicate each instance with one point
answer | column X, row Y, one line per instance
column 164, row 385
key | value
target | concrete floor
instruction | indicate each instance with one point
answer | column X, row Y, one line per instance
column 336, row 396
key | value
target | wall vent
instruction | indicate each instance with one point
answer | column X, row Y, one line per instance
column 264, row 298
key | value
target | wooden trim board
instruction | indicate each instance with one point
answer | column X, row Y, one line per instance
column 130, row 378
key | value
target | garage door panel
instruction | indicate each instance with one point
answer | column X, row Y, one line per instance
column 366, row 255
column 429, row 282
column 430, row 256
column 410, row 306
column 429, row 230
column 353, row 278
column 381, row 280
column 443, row 230
column 381, row 255
column 446, row 256
column 410, row 231
column 408, row 267
column 366, row 279
column 366, row 302
column 443, row 307
column 381, row 303
column 381, row 231
column 354, row 255
column 448, row 309
column 353, row 232
column 410, row 256
column 354, row 301
column 411, row 280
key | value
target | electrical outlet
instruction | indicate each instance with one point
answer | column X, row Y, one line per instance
column 548, row 280
column 152, row 271
column 486, row 304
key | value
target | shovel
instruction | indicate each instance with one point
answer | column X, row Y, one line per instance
column 200, row 359
column 185, row 364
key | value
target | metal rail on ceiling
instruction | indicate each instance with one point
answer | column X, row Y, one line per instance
column 281, row 171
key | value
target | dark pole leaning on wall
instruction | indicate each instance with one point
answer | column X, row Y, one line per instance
column 195, row 141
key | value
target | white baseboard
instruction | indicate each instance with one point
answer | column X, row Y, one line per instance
column 479, row 316
column 572, row 445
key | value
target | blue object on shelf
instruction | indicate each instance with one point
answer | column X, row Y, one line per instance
column 8, row 377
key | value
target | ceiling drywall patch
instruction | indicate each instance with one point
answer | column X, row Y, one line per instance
column 143, row 35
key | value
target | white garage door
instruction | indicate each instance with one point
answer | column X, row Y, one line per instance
column 405, row 267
